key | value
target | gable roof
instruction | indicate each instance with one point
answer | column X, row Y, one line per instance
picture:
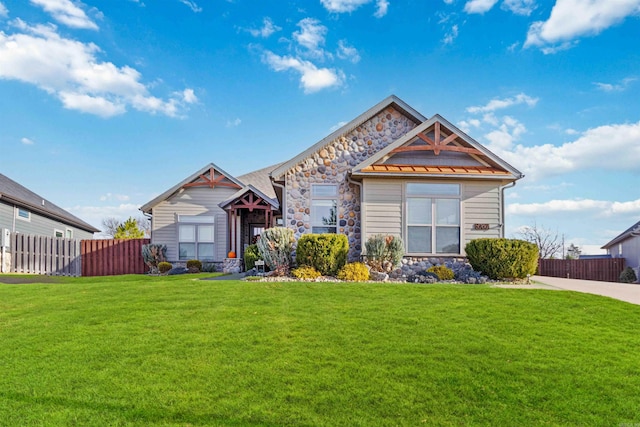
column 199, row 178
column 250, row 188
column 490, row 165
column 260, row 180
column 632, row 231
column 22, row 196
column 392, row 100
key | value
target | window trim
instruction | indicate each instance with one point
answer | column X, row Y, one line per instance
column 20, row 217
column 333, row 197
column 55, row 233
column 434, row 197
column 196, row 221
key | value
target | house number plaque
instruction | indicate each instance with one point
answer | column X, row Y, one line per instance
column 480, row 226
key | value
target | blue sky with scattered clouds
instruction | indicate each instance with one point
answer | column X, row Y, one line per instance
column 107, row 103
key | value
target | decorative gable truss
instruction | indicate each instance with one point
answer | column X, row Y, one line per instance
column 212, row 178
column 438, row 148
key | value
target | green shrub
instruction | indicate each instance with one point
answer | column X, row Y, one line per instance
column 327, row 253
column 275, row 245
column 384, row 253
column 628, row 275
column 305, row 272
column 442, row 271
column 251, row 255
column 164, row 266
column 354, row 272
column 503, row 258
column 194, row 265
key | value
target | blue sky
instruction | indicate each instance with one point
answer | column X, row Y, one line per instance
column 107, row 103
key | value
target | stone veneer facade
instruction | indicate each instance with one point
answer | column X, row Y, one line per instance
column 331, row 164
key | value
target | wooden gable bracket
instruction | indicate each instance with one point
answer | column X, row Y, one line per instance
column 211, row 181
column 248, row 201
column 437, row 145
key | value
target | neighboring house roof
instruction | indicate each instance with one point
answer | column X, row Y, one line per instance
column 489, row 165
column 367, row 115
column 632, row 231
column 18, row 195
column 204, row 177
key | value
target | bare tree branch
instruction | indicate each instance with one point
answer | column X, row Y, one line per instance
column 548, row 243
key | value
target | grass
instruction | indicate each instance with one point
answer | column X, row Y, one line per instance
column 136, row 350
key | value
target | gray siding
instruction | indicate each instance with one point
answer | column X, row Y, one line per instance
column 630, row 252
column 37, row 224
column 191, row 201
column 383, row 207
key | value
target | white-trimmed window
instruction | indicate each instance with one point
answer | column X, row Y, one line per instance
column 68, row 233
column 58, row 233
column 433, row 218
column 23, row 214
column 324, row 208
column 196, row 237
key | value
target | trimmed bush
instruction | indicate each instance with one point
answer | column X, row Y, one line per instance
column 384, row 253
column 628, row 275
column 327, row 253
column 164, row 267
column 251, row 255
column 442, row 271
column 305, row 272
column 194, row 266
column 354, row 272
column 275, row 245
column 503, row 258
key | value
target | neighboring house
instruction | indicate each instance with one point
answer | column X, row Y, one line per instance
column 23, row 211
column 390, row 170
column 627, row 245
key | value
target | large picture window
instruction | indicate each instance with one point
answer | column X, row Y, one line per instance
column 433, row 218
column 324, row 208
column 196, row 237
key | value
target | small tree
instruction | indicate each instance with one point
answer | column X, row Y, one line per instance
column 573, row 252
column 548, row 243
column 129, row 230
column 110, row 225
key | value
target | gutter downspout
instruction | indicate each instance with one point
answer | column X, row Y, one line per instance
column 284, row 200
column 504, row 187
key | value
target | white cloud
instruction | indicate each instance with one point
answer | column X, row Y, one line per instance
column 27, row 141
column 311, row 36
column 507, row 133
column 4, row 12
column 479, row 6
column 268, row 28
column 615, row 87
column 571, row 19
column 448, row 1
column 498, row 104
column 233, row 123
column 551, row 207
column 95, row 214
column 118, row 197
column 192, row 5
column 348, row 52
column 382, row 8
column 519, row 7
column 188, row 96
column 451, row 35
column 71, row 71
column 67, row 13
column 337, row 126
column 608, row 147
column 312, row 78
column 347, row 6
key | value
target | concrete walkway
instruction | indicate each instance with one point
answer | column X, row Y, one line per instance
column 623, row 291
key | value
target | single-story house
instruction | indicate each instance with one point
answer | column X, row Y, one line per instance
column 627, row 245
column 390, row 170
column 23, row 211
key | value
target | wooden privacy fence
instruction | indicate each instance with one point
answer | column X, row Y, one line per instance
column 111, row 257
column 44, row 255
column 603, row 269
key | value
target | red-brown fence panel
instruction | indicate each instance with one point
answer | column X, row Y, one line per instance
column 603, row 269
column 110, row 257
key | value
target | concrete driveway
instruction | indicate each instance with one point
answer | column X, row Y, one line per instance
column 622, row 291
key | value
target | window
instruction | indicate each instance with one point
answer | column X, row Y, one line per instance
column 68, row 233
column 324, row 208
column 195, row 237
column 433, row 218
column 58, row 233
column 23, row 214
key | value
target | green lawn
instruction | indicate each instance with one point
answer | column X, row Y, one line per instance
column 136, row 350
